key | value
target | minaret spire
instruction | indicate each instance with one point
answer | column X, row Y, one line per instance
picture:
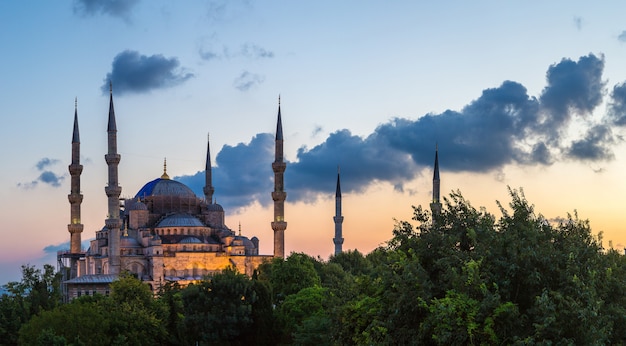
column 113, row 191
column 338, row 218
column 435, row 205
column 75, row 227
column 279, row 195
column 164, row 175
column 208, row 174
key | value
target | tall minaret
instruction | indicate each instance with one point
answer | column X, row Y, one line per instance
column 278, row 166
column 208, row 176
column 435, row 205
column 113, row 191
column 75, row 197
column 338, row 240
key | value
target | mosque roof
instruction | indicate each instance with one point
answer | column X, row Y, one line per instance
column 128, row 241
column 190, row 240
column 180, row 220
column 93, row 279
column 165, row 187
column 214, row 207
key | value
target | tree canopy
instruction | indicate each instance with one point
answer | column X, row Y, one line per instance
column 462, row 276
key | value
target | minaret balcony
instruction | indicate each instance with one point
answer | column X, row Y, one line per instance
column 113, row 191
column 113, row 223
column 338, row 219
column 112, row 159
column 279, row 225
column 75, row 228
column 75, row 169
column 75, row 198
column 278, row 166
column 279, row 195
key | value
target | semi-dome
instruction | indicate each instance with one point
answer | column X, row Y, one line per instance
column 214, row 207
column 165, row 187
column 180, row 220
column 128, row 241
column 190, row 240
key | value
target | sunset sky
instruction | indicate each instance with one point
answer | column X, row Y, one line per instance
column 526, row 94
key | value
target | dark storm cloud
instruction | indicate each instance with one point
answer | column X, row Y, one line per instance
column 247, row 80
column 503, row 126
column 46, row 176
column 135, row 73
column 114, row 8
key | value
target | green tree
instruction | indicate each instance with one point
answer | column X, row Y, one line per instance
column 129, row 316
column 38, row 291
column 218, row 310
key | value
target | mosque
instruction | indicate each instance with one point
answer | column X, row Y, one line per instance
column 165, row 232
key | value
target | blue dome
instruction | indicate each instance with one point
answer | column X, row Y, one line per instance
column 165, row 187
column 180, row 220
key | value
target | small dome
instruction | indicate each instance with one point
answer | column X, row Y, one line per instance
column 214, row 207
column 127, row 241
column 190, row 240
column 180, row 220
column 165, row 187
column 247, row 243
column 136, row 204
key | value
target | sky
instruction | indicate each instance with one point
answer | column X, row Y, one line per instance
column 523, row 94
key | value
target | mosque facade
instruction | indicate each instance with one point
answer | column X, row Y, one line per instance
column 165, row 232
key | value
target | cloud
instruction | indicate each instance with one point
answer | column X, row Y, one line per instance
column 574, row 88
column 135, row 73
column 46, row 162
column 46, row 176
column 113, row 8
column 247, row 50
column 503, row 126
column 578, row 22
column 52, row 249
column 622, row 36
column 594, row 146
column 616, row 113
column 242, row 175
column 247, row 80
column 252, row 51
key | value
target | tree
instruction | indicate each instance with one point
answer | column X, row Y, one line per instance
column 219, row 309
column 129, row 316
column 37, row 291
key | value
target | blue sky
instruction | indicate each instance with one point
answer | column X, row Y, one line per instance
column 520, row 94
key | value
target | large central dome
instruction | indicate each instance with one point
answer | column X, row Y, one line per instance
column 165, row 187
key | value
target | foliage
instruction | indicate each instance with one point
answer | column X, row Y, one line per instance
column 461, row 276
column 39, row 290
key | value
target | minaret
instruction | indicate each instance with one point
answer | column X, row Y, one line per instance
column 208, row 175
column 435, row 205
column 113, row 191
column 75, row 197
column 278, row 166
column 338, row 240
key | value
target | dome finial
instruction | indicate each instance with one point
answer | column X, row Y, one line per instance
column 165, row 176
